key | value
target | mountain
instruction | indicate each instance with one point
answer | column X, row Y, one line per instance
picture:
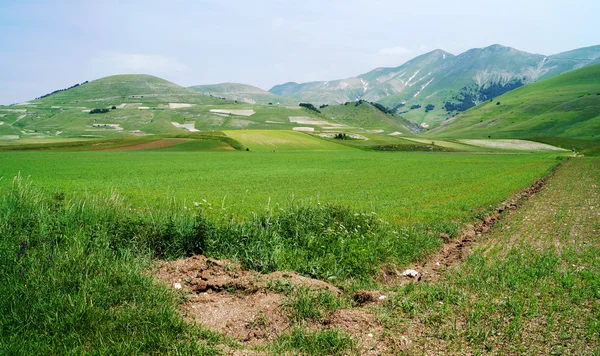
column 244, row 93
column 436, row 85
column 566, row 105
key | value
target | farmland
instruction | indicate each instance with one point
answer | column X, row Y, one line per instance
column 401, row 187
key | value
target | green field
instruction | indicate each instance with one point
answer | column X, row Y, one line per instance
column 417, row 187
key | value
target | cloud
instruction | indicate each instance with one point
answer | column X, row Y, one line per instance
column 394, row 51
column 137, row 63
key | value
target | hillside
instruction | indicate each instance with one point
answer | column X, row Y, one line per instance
column 364, row 115
column 128, row 88
column 567, row 105
column 244, row 93
column 438, row 84
column 138, row 105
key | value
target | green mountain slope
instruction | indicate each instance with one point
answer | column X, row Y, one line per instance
column 567, row 105
column 362, row 114
column 243, row 92
column 437, row 85
column 128, row 88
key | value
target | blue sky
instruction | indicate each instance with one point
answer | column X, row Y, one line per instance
column 48, row 45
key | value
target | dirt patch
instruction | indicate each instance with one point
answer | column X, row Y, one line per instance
column 224, row 297
column 513, row 145
column 233, row 112
column 179, row 105
column 189, row 126
column 305, row 120
column 363, row 326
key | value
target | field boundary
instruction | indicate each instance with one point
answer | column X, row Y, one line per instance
column 453, row 250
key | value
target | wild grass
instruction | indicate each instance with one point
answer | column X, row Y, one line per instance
column 307, row 342
column 68, row 289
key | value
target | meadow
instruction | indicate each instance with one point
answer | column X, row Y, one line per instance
column 400, row 187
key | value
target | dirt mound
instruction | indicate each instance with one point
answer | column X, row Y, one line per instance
column 224, row 297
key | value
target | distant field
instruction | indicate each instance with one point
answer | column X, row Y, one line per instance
column 402, row 187
column 264, row 140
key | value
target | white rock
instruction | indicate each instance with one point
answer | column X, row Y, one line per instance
column 177, row 285
column 410, row 273
column 382, row 297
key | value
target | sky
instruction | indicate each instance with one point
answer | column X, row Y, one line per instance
column 49, row 45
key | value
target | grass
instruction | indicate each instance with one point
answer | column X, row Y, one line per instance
column 530, row 287
column 273, row 140
column 366, row 116
column 399, row 187
column 67, row 289
column 310, row 305
column 306, row 342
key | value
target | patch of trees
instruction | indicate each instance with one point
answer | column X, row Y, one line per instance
column 310, row 107
column 382, row 108
column 59, row 90
column 496, row 89
column 416, row 106
column 470, row 96
column 377, row 106
column 429, row 107
column 323, row 106
column 99, row 111
column 395, row 108
column 464, row 102
column 341, row 136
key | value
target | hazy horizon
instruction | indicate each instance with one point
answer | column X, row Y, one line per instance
column 49, row 46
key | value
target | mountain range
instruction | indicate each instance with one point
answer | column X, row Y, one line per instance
column 430, row 87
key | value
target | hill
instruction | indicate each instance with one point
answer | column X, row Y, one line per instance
column 244, row 93
column 138, row 105
column 567, row 105
column 437, row 85
column 128, row 88
column 366, row 116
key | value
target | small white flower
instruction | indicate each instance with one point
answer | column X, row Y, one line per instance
column 177, row 285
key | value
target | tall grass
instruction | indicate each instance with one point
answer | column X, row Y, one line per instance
column 66, row 289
